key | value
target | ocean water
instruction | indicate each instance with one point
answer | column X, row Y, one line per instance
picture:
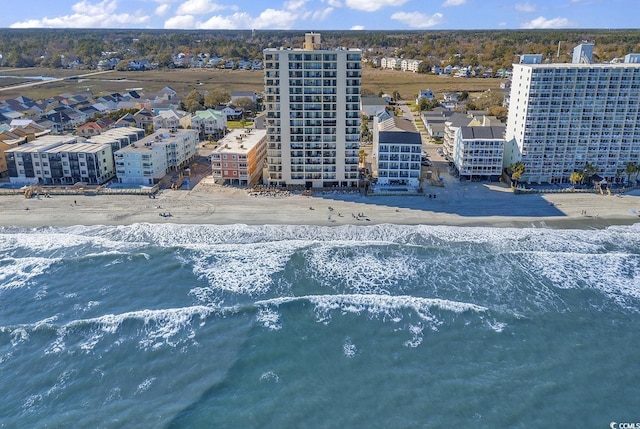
column 188, row 326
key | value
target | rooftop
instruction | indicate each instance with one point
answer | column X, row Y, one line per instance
column 240, row 140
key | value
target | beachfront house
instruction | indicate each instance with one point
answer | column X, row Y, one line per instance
column 239, row 157
column 479, row 151
column 451, row 126
column 397, row 146
column 148, row 160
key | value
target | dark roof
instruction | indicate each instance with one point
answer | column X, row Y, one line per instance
column 494, row 132
column 372, row 100
column 406, row 137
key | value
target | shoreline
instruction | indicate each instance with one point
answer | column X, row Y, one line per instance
column 471, row 205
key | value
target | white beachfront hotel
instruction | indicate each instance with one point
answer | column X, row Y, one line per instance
column 313, row 115
column 562, row 116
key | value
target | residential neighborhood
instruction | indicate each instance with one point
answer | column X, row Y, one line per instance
column 379, row 146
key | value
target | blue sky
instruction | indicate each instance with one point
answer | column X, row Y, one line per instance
column 321, row 14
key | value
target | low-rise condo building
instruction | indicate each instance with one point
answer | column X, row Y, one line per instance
column 397, row 146
column 239, row 157
column 147, row 161
column 479, row 151
column 60, row 160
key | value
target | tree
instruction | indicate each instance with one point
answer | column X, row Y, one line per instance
column 246, row 104
column 499, row 112
column 193, row 101
column 630, row 170
column 517, row 171
column 576, row 177
column 396, row 96
column 425, row 104
column 362, row 158
column 216, row 97
column 589, row 170
column 122, row 65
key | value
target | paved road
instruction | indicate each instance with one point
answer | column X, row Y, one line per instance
column 44, row 82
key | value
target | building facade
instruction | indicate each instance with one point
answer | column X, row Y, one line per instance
column 397, row 146
column 563, row 116
column 148, row 160
column 60, row 160
column 313, row 115
column 239, row 157
column 479, row 151
column 210, row 123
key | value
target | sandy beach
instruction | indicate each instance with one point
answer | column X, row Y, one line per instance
column 473, row 204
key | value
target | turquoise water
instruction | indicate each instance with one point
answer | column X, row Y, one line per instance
column 383, row 326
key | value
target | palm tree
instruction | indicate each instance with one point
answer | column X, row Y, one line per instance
column 630, row 170
column 589, row 170
column 363, row 158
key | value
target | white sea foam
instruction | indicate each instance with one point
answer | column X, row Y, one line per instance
column 16, row 273
column 31, row 401
column 361, row 267
column 160, row 327
column 240, row 268
column 617, row 275
column 386, row 306
column 50, row 240
column 145, row 385
column 348, row 348
column 19, row 335
column 416, row 336
column 496, row 326
column 270, row 376
column 269, row 318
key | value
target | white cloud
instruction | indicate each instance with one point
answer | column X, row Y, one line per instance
column 357, row 27
column 88, row 15
column 525, row 7
column 321, row 14
column 105, row 6
column 198, row 7
column 448, row 3
column 333, row 3
column 180, row 22
column 542, row 23
column 417, row 19
column 372, row 5
column 293, row 12
column 275, row 19
column 162, row 9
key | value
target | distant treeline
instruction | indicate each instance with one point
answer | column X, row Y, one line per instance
column 498, row 49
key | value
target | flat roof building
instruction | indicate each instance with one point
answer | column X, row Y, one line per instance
column 239, row 157
column 147, row 161
column 397, row 147
column 60, row 160
column 312, row 99
column 563, row 116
